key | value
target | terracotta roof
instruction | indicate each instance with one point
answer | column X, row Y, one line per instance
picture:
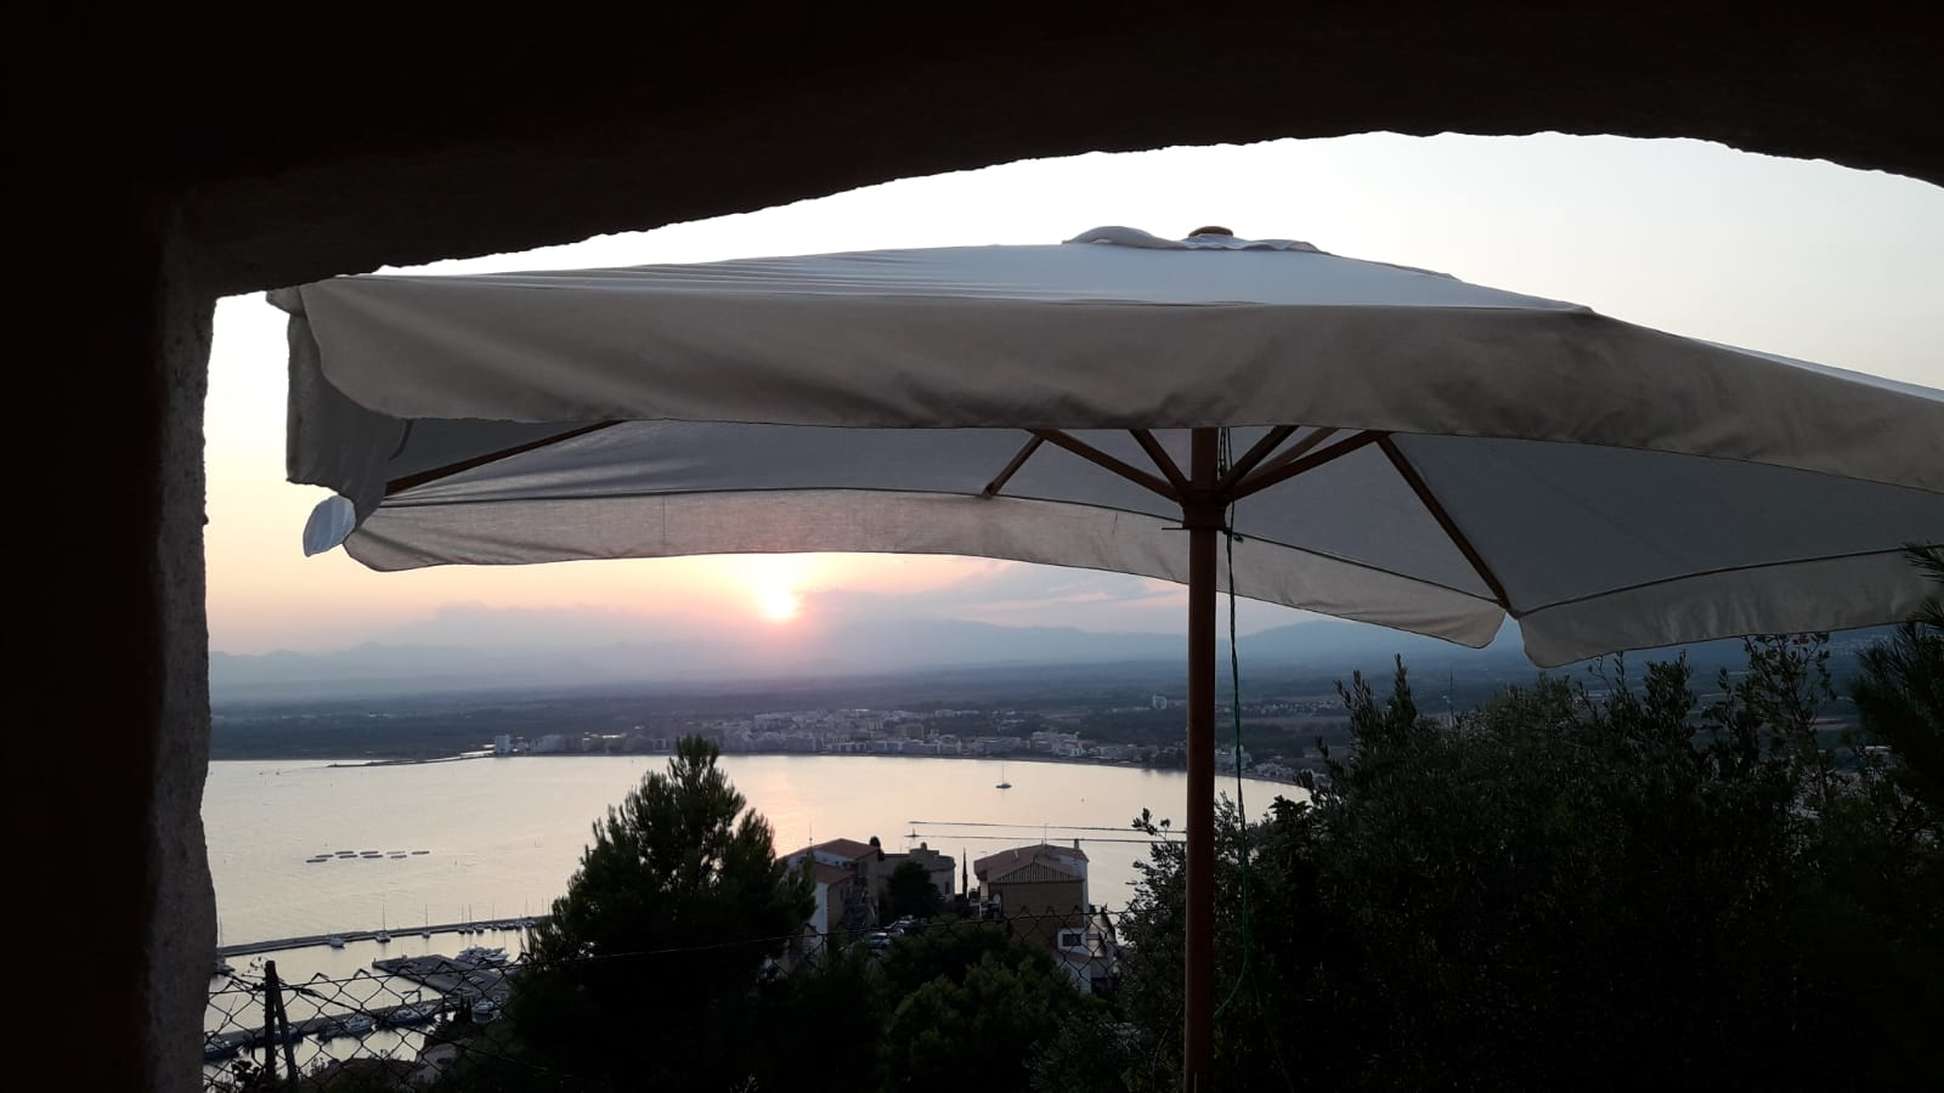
column 1053, row 857
column 846, row 848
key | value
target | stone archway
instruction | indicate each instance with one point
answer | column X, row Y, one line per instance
column 160, row 165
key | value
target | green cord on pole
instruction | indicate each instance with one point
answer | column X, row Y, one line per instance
column 1235, row 705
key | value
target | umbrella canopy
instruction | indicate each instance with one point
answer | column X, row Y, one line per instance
column 1408, row 449
column 1403, row 448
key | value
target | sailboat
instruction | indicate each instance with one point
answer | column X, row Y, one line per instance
column 1003, row 784
column 427, row 932
column 383, row 936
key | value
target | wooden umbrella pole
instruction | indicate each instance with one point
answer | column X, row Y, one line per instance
column 1201, row 514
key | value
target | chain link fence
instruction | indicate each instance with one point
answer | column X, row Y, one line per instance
column 407, row 1022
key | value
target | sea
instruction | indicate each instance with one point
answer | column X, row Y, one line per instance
column 498, row 838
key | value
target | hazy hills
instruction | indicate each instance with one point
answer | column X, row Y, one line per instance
column 865, row 647
column 852, row 648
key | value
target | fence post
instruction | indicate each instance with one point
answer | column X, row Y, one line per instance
column 289, row 1043
column 272, row 1002
column 275, row 1015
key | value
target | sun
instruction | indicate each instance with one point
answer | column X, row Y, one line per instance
column 774, row 586
column 778, row 603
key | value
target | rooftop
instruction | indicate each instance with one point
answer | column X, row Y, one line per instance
column 1060, row 858
column 846, row 848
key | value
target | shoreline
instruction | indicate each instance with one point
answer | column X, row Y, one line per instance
column 1056, row 760
column 350, row 764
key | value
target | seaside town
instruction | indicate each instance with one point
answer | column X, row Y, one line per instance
column 980, row 733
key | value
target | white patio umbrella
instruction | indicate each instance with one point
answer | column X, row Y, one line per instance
column 1411, row 450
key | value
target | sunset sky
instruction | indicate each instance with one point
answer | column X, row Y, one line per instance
column 1794, row 257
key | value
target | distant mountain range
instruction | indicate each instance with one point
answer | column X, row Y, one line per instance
column 855, row 648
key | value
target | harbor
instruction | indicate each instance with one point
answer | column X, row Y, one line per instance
column 341, row 937
column 475, row 983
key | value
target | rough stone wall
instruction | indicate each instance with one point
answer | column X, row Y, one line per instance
column 178, row 927
column 346, row 140
column 110, row 732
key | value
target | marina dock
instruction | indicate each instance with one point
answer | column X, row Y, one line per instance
column 221, row 1045
column 275, row 945
column 450, row 982
column 451, row 978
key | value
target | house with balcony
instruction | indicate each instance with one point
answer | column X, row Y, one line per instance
column 845, row 871
column 1038, row 889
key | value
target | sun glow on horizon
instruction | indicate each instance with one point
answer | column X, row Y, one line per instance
column 778, row 604
column 774, row 581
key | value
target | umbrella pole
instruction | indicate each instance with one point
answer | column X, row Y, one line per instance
column 1201, row 512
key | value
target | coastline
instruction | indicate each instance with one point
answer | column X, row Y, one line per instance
column 1059, row 760
column 348, row 764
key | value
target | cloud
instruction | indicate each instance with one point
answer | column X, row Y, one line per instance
column 482, row 625
column 1010, row 593
column 1007, row 594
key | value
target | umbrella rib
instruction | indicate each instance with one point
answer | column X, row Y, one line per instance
column 1300, row 448
column 1285, row 469
column 1431, row 503
column 1747, row 567
column 1018, row 460
column 1162, row 460
column 1099, row 458
column 420, row 478
column 1257, row 452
